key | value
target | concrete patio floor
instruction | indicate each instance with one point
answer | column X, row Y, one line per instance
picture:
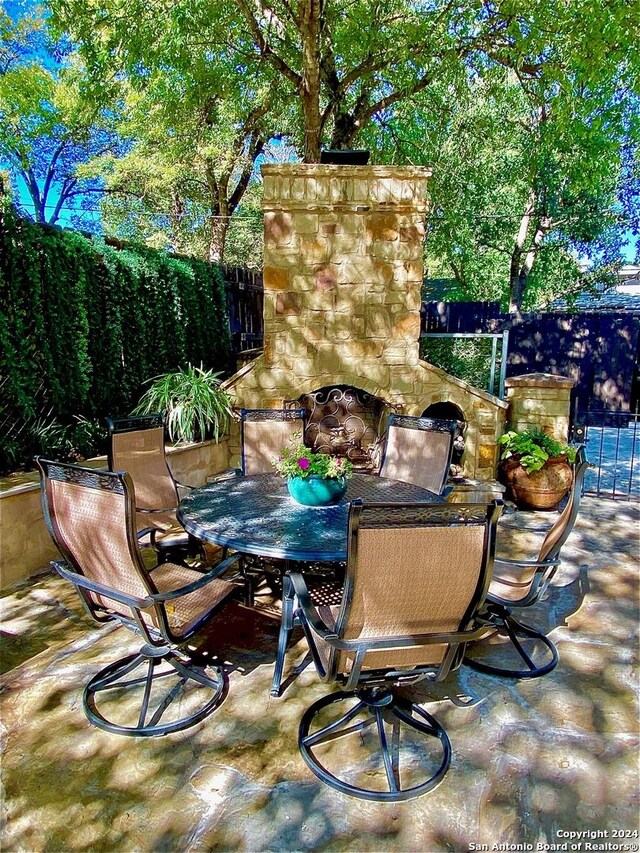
column 532, row 760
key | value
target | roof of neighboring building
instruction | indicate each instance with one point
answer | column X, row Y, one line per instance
column 438, row 289
column 625, row 296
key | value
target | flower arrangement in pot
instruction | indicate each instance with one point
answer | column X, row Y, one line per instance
column 536, row 468
column 313, row 479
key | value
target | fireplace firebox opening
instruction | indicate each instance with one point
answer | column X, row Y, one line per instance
column 345, row 421
column 451, row 412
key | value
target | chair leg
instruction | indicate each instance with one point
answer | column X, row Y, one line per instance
column 378, row 726
column 503, row 620
column 142, row 702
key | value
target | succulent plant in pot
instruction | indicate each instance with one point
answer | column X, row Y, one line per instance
column 536, row 467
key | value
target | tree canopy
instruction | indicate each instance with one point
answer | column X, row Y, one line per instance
column 527, row 112
column 47, row 129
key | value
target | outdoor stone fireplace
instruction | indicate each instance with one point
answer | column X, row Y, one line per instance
column 342, row 277
column 345, row 421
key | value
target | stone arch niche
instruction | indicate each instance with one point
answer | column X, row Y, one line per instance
column 450, row 412
column 342, row 277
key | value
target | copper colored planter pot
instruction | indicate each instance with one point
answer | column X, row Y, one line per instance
column 543, row 489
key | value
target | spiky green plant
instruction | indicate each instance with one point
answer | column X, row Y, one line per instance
column 195, row 405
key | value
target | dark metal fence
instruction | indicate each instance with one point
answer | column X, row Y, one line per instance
column 612, row 441
column 600, row 350
column 245, row 300
column 459, row 316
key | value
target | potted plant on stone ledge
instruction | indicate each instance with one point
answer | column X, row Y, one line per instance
column 313, row 479
column 536, row 468
column 197, row 408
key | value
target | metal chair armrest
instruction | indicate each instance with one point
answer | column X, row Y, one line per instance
column 311, row 614
column 154, row 510
column 382, row 643
column 221, row 476
column 100, row 589
column 146, row 531
column 373, row 643
column 202, row 581
column 506, row 561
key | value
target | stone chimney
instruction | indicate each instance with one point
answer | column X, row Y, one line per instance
column 343, row 268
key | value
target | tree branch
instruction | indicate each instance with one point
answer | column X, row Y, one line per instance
column 265, row 49
column 67, row 186
column 242, row 184
column 52, row 168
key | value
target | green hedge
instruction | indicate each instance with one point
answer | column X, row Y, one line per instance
column 83, row 325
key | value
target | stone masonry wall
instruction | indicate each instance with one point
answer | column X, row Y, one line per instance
column 342, row 276
column 540, row 400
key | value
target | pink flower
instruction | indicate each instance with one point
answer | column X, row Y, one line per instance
column 303, row 463
column 339, row 461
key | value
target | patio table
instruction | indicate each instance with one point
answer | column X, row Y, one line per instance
column 256, row 515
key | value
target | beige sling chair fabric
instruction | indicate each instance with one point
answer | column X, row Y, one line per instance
column 521, row 583
column 520, row 650
column 416, row 577
column 418, row 451
column 401, row 567
column 141, row 453
column 265, row 433
column 92, row 529
column 399, row 584
column 162, row 687
column 136, row 445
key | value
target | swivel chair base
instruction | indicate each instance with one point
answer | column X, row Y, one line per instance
column 199, row 687
column 501, row 618
column 382, row 709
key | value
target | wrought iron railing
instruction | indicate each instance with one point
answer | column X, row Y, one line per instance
column 612, row 442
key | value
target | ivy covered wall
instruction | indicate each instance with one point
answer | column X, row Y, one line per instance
column 83, row 325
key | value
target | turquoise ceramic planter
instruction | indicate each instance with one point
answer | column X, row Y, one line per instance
column 316, row 491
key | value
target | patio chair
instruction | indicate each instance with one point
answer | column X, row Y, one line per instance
column 264, row 432
column 91, row 518
column 418, row 451
column 416, row 576
column 136, row 445
column 522, row 583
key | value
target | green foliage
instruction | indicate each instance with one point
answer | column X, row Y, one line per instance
column 196, row 406
column 526, row 178
column 522, row 110
column 84, row 325
column 299, row 461
column 533, row 447
column 464, row 358
column 47, row 130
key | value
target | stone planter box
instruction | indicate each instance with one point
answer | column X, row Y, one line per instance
column 25, row 545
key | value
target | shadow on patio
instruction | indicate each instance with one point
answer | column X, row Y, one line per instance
column 531, row 760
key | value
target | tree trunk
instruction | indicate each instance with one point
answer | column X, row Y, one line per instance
column 218, row 229
column 517, row 281
column 310, row 13
column 177, row 214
